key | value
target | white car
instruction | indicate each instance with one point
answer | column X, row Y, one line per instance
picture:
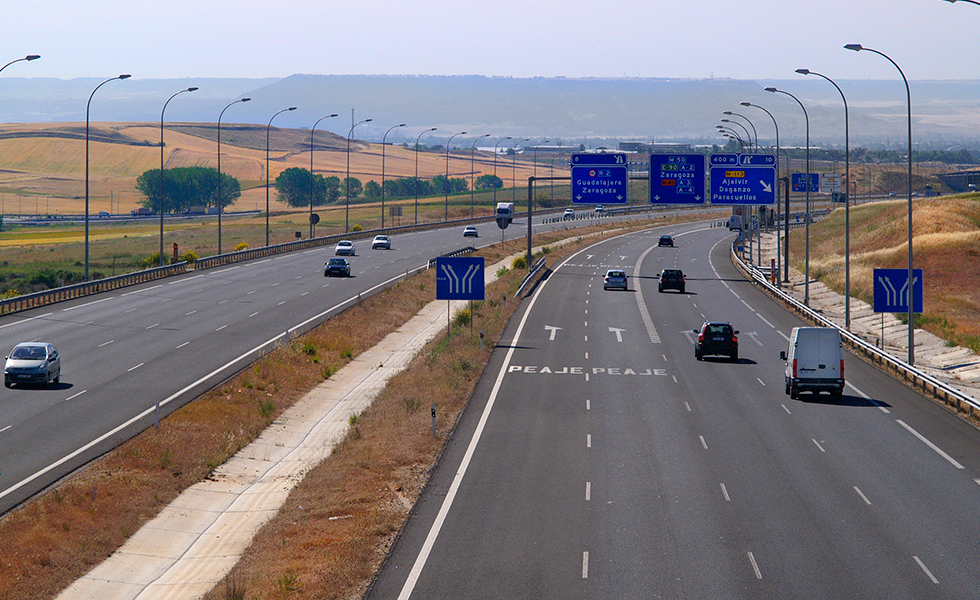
column 344, row 248
column 569, row 214
column 381, row 241
column 470, row 231
column 32, row 362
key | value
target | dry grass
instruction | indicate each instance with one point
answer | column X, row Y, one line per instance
column 946, row 246
column 370, row 482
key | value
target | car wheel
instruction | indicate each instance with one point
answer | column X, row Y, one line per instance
column 734, row 356
column 660, row 289
column 794, row 393
column 787, row 389
column 697, row 354
column 682, row 290
column 57, row 380
column 8, row 384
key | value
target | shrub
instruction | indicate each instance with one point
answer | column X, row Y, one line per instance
column 242, row 246
column 519, row 263
column 463, row 317
column 190, row 257
column 356, row 228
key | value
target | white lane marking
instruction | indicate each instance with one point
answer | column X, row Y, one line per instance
column 220, row 328
column 786, row 409
column 588, row 440
column 152, row 326
column 703, row 443
column 724, row 492
column 760, row 381
column 585, row 565
column 619, row 333
column 755, row 567
column 785, row 337
column 747, row 305
column 687, row 406
column 734, row 293
column 586, row 338
column 190, row 313
column 976, row 481
column 674, row 378
column 588, row 404
column 106, row 343
column 143, row 290
column 88, row 304
column 249, row 293
column 275, row 284
column 818, row 445
column 925, row 441
column 73, row 396
column 588, row 491
column 5, row 428
column 586, row 356
column 586, row 323
column 863, row 497
column 182, row 345
column 252, row 315
column 264, row 261
column 925, row 569
column 880, row 406
column 552, row 330
column 134, row 368
column 225, row 270
column 765, row 321
column 641, row 303
column 665, row 357
column 26, row 320
column 281, row 303
column 222, row 302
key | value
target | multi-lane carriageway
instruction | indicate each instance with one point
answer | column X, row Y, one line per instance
column 599, row 459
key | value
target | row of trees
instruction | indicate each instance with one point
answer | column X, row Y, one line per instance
column 188, row 187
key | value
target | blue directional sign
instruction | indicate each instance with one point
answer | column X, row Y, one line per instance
column 746, row 179
column 799, row 182
column 459, row 278
column 891, row 290
column 596, row 158
column 677, row 179
column 597, row 184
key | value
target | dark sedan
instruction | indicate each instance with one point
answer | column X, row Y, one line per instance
column 336, row 267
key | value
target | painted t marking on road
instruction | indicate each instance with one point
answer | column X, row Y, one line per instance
column 619, row 333
column 552, row 330
column 753, row 335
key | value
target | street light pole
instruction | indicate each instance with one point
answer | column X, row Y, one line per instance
column 347, row 211
column 786, row 244
column 908, row 96
column 29, row 57
column 383, row 142
column 495, row 147
column 513, row 171
column 219, row 165
column 473, row 172
column 806, row 216
column 416, row 186
column 534, row 159
column 754, row 132
column 87, row 107
column 847, row 201
column 312, row 178
column 268, row 129
column 446, row 218
column 744, row 128
column 190, row 89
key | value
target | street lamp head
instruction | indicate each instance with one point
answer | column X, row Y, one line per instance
column 244, row 99
column 332, row 115
column 855, row 47
column 400, row 125
column 727, row 112
column 192, row 89
column 771, row 89
column 124, row 76
column 745, row 103
column 32, row 57
column 364, row 121
column 803, row 71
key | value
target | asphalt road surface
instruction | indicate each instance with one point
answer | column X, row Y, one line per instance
column 599, row 459
column 165, row 342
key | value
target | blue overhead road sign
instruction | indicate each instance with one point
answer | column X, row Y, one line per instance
column 677, row 179
column 596, row 184
column 605, row 158
column 746, row 179
column 891, row 290
column 459, row 278
column 799, row 182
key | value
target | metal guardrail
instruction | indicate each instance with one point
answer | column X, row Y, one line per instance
column 460, row 252
column 77, row 290
column 907, row 372
column 535, row 268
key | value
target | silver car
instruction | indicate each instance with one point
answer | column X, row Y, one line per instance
column 381, row 241
column 615, row 279
column 344, row 248
column 32, row 362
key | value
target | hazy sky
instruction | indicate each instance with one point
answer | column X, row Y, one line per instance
column 743, row 39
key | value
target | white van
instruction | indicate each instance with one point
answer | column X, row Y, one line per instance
column 814, row 362
column 735, row 223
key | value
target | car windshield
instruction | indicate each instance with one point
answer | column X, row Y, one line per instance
column 616, row 274
column 337, row 261
column 671, row 275
column 28, row 353
column 718, row 329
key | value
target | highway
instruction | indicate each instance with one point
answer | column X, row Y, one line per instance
column 165, row 342
column 599, row 459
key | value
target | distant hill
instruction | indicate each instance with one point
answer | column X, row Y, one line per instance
column 590, row 111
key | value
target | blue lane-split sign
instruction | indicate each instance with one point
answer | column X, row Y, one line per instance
column 891, row 290
column 677, row 179
column 459, row 278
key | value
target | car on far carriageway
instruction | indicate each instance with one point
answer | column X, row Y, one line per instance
column 32, row 362
column 569, row 214
column 470, row 231
column 344, row 248
column 336, row 267
column 615, row 279
column 381, row 241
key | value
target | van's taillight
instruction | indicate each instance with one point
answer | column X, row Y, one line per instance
column 842, row 368
column 794, row 367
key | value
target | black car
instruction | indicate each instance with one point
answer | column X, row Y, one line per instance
column 666, row 240
column 671, row 279
column 716, row 338
column 336, row 267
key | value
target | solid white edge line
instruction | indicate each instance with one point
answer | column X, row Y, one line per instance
column 430, row 539
column 26, row 320
column 755, row 566
column 724, row 492
column 934, row 447
column 863, row 497
column 818, row 445
column 925, row 569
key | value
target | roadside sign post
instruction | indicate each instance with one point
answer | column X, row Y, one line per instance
column 891, row 294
